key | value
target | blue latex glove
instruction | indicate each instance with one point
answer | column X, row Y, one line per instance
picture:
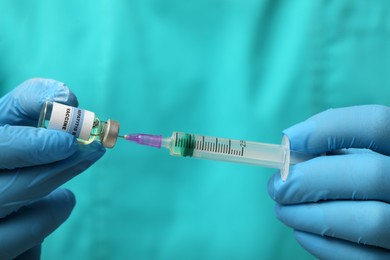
column 338, row 204
column 33, row 163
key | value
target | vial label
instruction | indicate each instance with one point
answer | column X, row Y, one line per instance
column 76, row 121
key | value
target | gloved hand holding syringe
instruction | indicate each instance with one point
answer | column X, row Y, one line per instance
column 88, row 128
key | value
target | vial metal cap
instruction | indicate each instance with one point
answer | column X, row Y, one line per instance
column 110, row 133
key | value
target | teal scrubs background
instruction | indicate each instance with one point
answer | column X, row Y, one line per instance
column 242, row 69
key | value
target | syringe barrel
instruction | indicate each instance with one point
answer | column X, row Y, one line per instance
column 222, row 149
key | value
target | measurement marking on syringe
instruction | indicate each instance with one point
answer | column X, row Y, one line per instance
column 190, row 142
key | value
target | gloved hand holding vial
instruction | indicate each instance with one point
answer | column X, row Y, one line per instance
column 34, row 162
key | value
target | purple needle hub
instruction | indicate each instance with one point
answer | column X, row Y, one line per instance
column 145, row 139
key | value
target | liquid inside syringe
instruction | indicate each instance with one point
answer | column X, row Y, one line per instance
column 224, row 149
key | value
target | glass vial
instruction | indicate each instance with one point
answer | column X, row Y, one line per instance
column 79, row 122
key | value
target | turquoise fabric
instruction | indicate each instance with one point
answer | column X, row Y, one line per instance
column 242, row 69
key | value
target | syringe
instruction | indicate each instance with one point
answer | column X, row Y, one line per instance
column 224, row 149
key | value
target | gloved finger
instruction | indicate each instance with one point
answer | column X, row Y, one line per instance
column 363, row 222
column 22, row 146
column 20, row 186
column 31, row 254
column 354, row 176
column 22, row 105
column 350, row 127
column 30, row 225
column 323, row 247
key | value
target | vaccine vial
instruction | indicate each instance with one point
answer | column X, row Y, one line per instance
column 79, row 122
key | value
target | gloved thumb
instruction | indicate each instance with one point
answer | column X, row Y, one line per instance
column 351, row 127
